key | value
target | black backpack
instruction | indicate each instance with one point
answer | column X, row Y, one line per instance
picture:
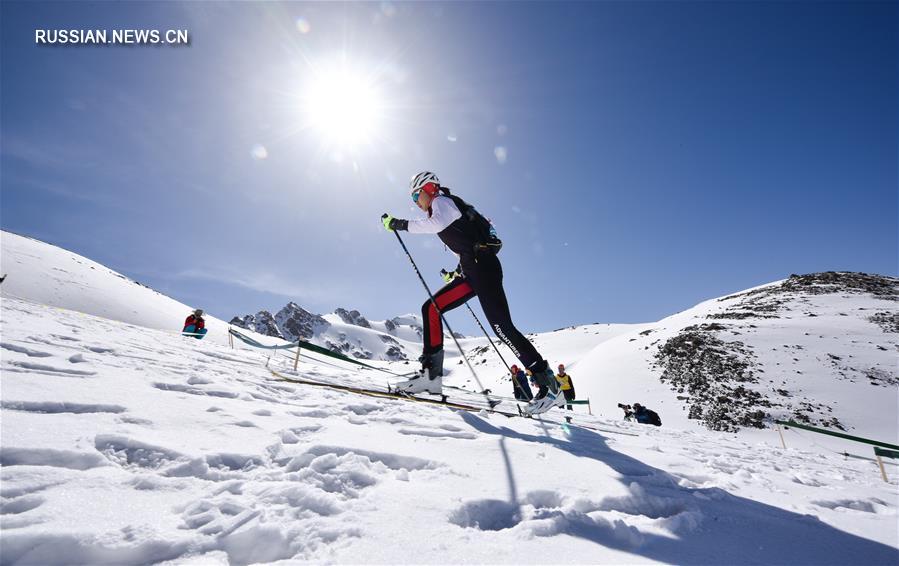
column 485, row 233
column 654, row 418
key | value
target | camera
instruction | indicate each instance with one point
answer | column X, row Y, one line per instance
column 624, row 406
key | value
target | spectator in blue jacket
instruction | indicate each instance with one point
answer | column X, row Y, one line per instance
column 521, row 389
column 646, row 416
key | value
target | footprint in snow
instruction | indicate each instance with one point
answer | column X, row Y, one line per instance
column 547, row 513
column 293, row 434
column 363, row 408
column 56, row 407
column 315, row 414
column 27, row 367
column 20, row 505
column 437, row 433
column 22, row 350
column 179, row 388
column 873, row 505
column 487, row 515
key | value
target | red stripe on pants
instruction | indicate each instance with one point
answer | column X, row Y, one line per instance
column 442, row 300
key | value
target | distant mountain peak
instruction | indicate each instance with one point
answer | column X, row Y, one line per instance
column 296, row 323
column 353, row 317
column 293, row 322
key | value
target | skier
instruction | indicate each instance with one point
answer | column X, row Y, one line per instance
column 469, row 235
column 566, row 383
column 194, row 325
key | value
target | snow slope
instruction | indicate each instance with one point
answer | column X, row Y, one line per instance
column 122, row 441
column 53, row 276
column 127, row 445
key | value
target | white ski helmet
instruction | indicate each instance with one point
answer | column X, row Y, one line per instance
column 426, row 181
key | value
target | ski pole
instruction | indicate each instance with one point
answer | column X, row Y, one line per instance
column 490, row 401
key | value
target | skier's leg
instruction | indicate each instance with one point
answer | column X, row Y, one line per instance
column 430, row 378
column 450, row 296
column 487, row 281
column 486, row 278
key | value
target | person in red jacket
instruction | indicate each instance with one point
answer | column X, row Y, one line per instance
column 194, row 325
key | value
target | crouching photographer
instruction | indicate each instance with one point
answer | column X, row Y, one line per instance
column 640, row 414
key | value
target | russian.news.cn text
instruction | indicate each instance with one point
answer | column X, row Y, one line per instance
column 111, row 37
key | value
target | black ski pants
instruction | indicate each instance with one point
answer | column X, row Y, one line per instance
column 484, row 278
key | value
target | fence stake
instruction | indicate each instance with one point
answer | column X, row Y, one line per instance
column 296, row 360
column 780, row 432
column 589, row 410
column 230, row 338
column 883, row 472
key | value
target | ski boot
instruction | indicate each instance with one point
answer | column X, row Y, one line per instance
column 549, row 395
column 428, row 380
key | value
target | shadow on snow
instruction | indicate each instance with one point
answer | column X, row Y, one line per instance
column 708, row 525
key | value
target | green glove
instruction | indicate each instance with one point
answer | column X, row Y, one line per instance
column 449, row 275
column 391, row 224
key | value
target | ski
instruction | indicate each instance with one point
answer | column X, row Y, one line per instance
column 443, row 402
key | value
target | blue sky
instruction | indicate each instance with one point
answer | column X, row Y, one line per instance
column 636, row 158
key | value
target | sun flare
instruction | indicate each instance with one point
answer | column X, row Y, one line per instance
column 343, row 107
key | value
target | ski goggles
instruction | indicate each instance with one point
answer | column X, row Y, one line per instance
column 415, row 194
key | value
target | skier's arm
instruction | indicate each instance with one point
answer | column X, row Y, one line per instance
column 443, row 213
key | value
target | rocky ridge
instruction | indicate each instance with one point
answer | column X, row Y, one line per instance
column 724, row 384
column 383, row 341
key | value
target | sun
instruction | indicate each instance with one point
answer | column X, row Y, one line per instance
column 344, row 107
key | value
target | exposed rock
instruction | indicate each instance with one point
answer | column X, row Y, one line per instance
column 713, row 374
column 352, row 317
column 394, row 351
column 887, row 321
column 842, row 281
column 397, row 321
column 297, row 323
column 880, row 377
column 262, row 322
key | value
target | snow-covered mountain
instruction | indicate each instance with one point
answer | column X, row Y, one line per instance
column 348, row 332
column 818, row 348
column 123, row 442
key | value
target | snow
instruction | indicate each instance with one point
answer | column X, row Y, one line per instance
column 56, row 277
column 125, row 442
